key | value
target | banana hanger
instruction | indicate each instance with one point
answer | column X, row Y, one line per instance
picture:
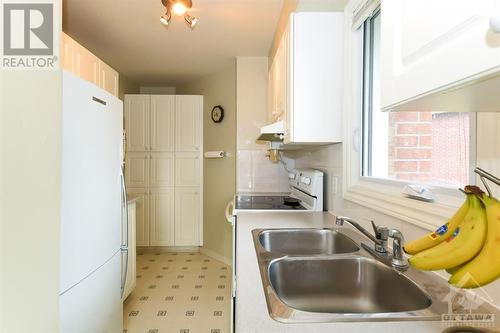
column 486, row 175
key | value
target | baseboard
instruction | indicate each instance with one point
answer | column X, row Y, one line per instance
column 216, row 256
column 163, row 249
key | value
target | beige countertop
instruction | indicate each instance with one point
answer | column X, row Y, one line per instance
column 251, row 310
column 132, row 199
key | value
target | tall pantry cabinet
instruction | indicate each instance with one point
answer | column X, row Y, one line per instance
column 164, row 167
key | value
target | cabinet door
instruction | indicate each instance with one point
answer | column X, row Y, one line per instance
column 187, row 169
column 137, row 169
column 188, row 112
column 162, row 217
column 162, row 122
column 142, row 215
column 454, row 43
column 108, row 78
column 130, row 280
column 187, row 217
column 67, row 53
column 86, row 65
column 137, row 122
column 162, row 169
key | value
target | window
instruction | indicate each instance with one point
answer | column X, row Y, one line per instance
column 432, row 148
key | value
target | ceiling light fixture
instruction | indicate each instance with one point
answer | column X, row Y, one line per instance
column 191, row 20
column 165, row 19
column 179, row 8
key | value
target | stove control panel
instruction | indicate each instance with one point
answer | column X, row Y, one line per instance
column 309, row 181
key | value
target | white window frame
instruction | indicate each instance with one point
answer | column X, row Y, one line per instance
column 382, row 194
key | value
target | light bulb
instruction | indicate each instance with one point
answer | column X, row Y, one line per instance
column 179, row 9
column 191, row 20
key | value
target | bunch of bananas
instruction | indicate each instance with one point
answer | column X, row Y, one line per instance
column 467, row 246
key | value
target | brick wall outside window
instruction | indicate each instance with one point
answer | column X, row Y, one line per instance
column 429, row 147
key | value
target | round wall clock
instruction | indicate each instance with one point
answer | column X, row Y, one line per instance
column 217, row 114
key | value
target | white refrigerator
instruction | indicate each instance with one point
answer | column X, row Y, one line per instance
column 93, row 225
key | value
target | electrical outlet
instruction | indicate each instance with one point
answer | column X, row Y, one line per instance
column 335, row 184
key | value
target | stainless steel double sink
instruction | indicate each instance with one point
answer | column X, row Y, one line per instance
column 325, row 275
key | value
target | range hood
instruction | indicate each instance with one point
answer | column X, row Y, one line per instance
column 272, row 132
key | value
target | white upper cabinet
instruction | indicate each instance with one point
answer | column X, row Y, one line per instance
column 188, row 122
column 187, row 217
column 84, row 64
column 306, row 79
column 429, row 47
column 137, row 122
column 162, row 122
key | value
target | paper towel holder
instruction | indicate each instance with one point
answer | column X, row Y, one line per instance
column 216, row 154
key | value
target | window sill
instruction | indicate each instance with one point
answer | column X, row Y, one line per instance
column 388, row 200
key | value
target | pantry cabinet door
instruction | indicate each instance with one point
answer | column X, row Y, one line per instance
column 162, row 217
column 137, row 122
column 86, row 65
column 142, row 215
column 108, row 78
column 428, row 45
column 162, row 122
column 187, row 217
column 188, row 122
column 162, row 169
column 187, row 169
column 137, row 169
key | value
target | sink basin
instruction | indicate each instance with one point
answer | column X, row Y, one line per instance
column 306, row 242
column 344, row 285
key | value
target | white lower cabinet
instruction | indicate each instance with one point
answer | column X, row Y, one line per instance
column 162, row 217
column 142, row 215
column 187, row 217
column 130, row 279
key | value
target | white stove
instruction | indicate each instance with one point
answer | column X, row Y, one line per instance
column 306, row 194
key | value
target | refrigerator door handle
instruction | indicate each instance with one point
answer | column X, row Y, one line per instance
column 124, row 242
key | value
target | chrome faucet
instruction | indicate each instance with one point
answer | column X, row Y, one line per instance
column 398, row 260
column 382, row 234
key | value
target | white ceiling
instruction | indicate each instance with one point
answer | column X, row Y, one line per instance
column 128, row 35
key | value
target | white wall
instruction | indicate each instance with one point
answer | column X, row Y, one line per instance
column 255, row 173
column 158, row 90
column 218, row 174
column 30, row 191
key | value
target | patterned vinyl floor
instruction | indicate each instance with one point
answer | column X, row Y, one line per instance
column 179, row 293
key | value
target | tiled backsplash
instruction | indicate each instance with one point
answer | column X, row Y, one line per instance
column 257, row 174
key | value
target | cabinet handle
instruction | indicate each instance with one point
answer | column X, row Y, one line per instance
column 98, row 100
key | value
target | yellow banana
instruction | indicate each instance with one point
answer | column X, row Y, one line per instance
column 466, row 241
column 454, row 269
column 441, row 234
column 485, row 267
